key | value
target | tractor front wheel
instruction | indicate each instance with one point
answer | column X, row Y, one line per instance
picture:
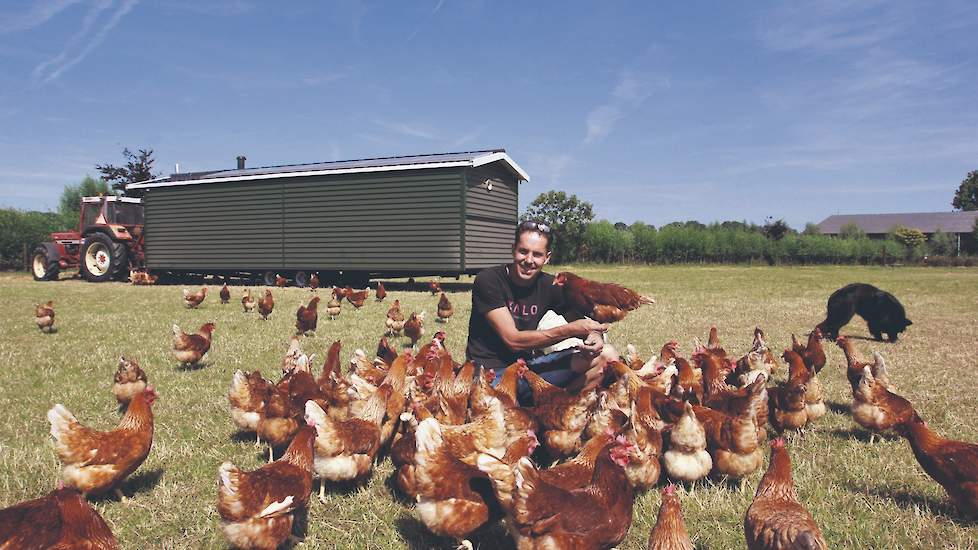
column 44, row 265
column 102, row 259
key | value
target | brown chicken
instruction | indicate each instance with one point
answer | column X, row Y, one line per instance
column 313, row 282
column 345, row 450
column 453, row 497
column 246, row 397
column 96, row 462
column 434, row 287
column 61, row 519
column 333, row 308
column 357, row 297
column 686, row 458
column 670, row 532
column 596, row 515
column 381, row 292
column 854, row 366
column 812, row 353
column 562, row 415
column 603, row 302
column 190, row 348
column 445, row 309
column 44, row 316
column 732, row 437
column 257, row 507
column 787, row 403
column 414, row 327
column 776, row 520
column 192, row 300
column 281, row 281
column 247, row 302
column 645, row 434
column 278, row 422
column 129, row 380
column 395, row 319
column 339, row 293
column 953, row 464
column 876, row 408
column 306, row 317
column 385, row 351
column 225, row 294
column 801, row 371
column 266, row 305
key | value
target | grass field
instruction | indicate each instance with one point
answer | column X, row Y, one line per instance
column 863, row 495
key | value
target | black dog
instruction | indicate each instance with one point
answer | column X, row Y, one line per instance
column 881, row 310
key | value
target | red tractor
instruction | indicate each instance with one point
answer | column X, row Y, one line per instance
column 107, row 245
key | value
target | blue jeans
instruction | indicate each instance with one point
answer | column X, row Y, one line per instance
column 554, row 368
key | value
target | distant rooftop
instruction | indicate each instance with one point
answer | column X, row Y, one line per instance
column 927, row 222
column 380, row 164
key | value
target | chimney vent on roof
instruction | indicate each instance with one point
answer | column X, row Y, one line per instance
column 241, row 162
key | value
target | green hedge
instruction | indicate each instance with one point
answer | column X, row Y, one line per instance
column 18, row 228
column 686, row 243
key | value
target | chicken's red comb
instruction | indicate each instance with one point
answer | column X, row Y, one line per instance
column 521, row 362
column 492, row 373
column 778, row 443
column 669, row 490
column 840, row 340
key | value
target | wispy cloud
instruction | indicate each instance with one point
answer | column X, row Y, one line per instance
column 404, row 129
column 39, row 14
column 628, row 95
column 417, row 29
column 82, row 42
column 467, row 138
column 549, row 168
column 219, row 8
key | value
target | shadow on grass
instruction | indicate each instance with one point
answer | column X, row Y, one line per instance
column 190, row 367
column 838, row 408
column 910, row 501
column 142, row 482
column 863, row 435
column 244, row 437
column 396, row 493
column 418, row 537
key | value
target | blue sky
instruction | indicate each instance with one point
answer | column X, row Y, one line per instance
column 651, row 111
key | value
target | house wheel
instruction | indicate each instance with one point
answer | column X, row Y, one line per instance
column 301, row 279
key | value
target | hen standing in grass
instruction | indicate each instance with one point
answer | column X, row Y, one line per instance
column 257, row 508
column 190, row 348
column 381, row 292
column 395, row 319
column 96, row 462
column 445, row 309
column 414, row 327
column 192, row 300
column 333, row 307
column 670, row 532
column 953, row 464
column 129, row 380
column 266, row 305
column 776, row 520
column 225, row 294
column 247, row 302
column 313, row 282
column 434, row 288
column 44, row 316
column 307, row 317
column 60, row 519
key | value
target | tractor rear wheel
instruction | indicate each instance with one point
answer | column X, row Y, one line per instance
column 44, row 265
column 102, row 259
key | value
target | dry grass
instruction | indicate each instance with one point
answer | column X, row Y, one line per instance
column 863, row 495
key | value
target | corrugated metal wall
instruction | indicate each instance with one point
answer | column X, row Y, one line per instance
column 393, row 222
column 490, row 216
column 219, row 226
column 406, row 220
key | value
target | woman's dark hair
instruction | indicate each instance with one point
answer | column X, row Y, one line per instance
column 536, row 227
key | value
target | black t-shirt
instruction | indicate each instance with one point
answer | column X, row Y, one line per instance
column 494, row 289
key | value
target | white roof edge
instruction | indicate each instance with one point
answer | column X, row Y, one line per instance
column 111, row 198
column 479, row 161
column 493, row 157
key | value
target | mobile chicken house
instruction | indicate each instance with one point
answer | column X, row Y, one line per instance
column 440, row 214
